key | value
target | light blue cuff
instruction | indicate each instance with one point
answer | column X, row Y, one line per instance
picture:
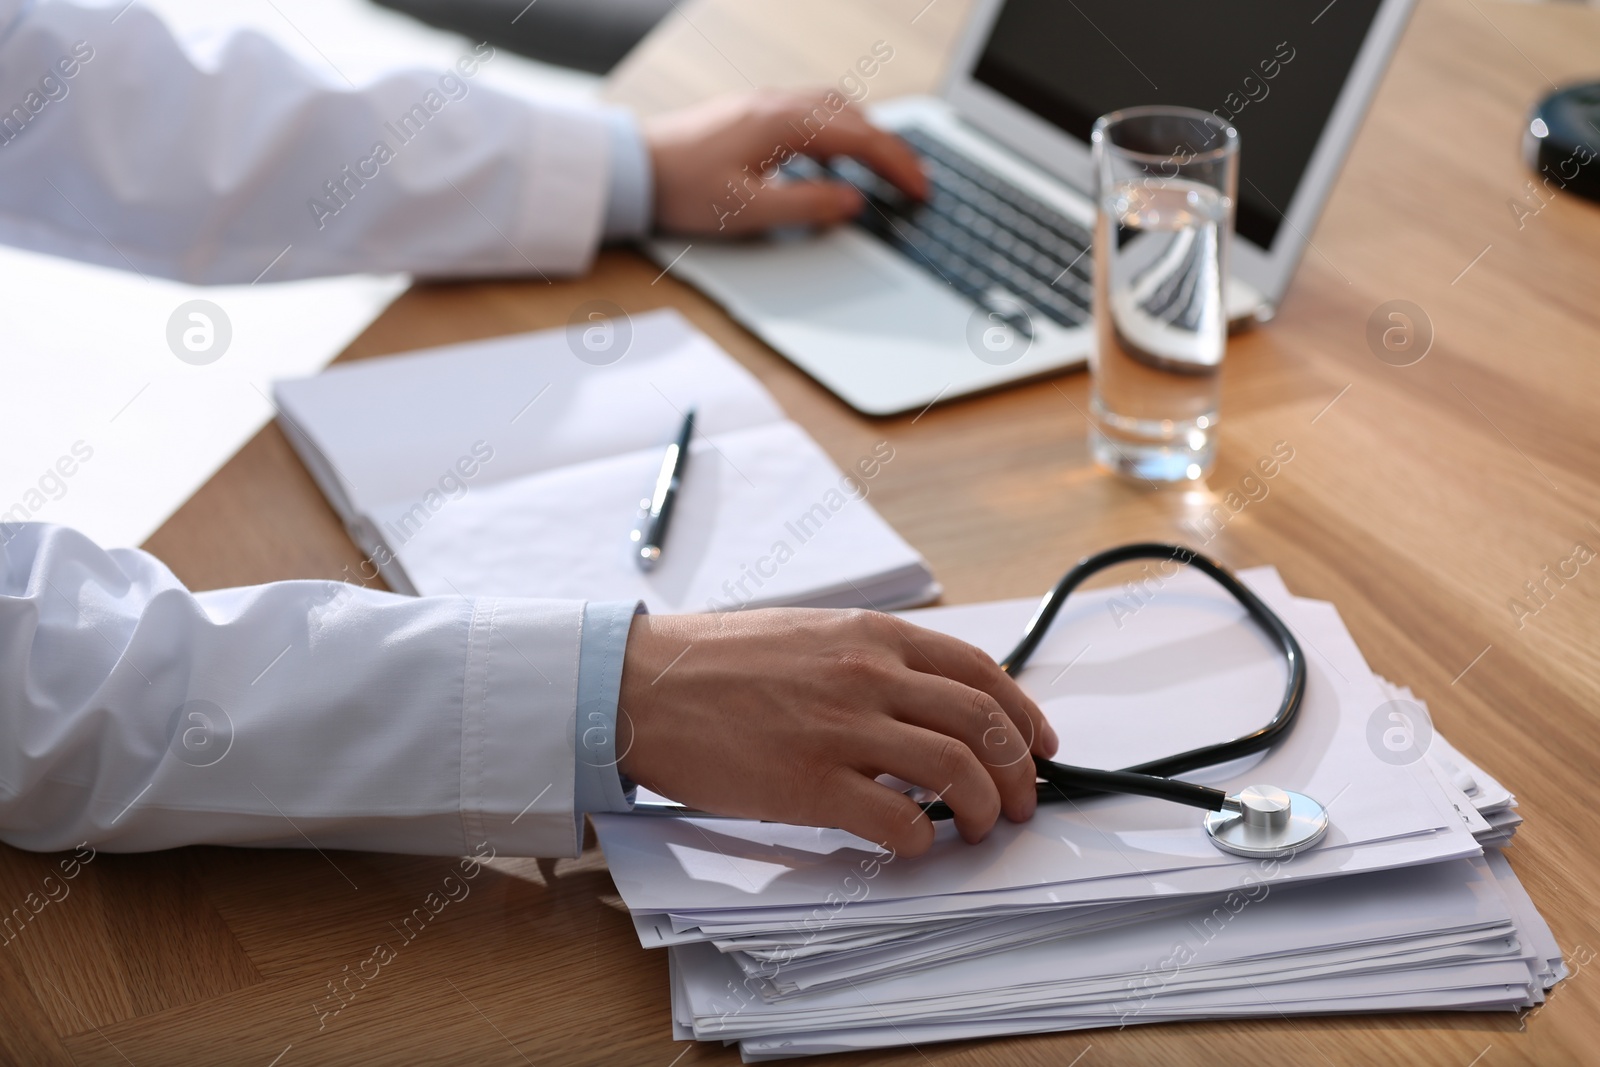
column 597, row 783
column 632, row 184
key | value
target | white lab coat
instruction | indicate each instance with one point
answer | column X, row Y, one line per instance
column 119, row 147
column 136, row 715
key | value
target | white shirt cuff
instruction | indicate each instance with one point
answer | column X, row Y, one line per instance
column 517, row 749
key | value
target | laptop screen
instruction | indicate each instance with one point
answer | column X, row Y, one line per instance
column 1273, row 69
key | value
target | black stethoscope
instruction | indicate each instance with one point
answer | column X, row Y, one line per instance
column 1257, row 821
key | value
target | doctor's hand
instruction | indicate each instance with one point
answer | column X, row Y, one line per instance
column 791, row 714
column 715, row 164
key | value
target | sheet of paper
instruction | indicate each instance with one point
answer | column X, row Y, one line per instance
column 764, row 517
column 1432, row 847
column 394, row 429
column 106, row 424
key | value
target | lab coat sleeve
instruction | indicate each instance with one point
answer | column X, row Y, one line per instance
column 120, row 147
column 136, row 715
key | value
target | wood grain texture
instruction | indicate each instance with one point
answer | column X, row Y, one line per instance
column 1419, row 499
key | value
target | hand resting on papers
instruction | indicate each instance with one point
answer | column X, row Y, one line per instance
column 790, row 714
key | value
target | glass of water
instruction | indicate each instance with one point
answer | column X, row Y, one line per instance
column 1166, row 184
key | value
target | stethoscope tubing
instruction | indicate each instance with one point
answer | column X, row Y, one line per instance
column 1061, row 781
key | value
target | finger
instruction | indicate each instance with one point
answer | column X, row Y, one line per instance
column 853, row 802
column 976, row 719
column 932, row 652
column 796, row 204
column 939, row 763
column 849, row 133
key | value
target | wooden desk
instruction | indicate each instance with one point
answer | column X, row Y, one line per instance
column 1420, row 499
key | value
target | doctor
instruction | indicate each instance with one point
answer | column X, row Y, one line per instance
column 135, row 714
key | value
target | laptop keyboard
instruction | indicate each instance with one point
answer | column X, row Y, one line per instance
column 989, row 240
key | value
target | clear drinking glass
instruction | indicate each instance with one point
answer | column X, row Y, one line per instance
column 1167, row 178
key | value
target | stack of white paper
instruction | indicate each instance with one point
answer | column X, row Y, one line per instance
column 516, row 467
column 1114, row 910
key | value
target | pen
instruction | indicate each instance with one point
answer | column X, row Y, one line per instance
column 655, row 513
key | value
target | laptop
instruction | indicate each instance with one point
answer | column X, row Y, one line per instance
column 988, row 283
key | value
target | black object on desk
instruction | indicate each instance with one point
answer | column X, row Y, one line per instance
column 656, row 513
column 1562, row 141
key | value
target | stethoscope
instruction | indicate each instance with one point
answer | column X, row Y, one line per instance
column 1258, row 821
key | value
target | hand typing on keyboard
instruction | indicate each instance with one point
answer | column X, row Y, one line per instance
column 717, row 165
column 990, row 240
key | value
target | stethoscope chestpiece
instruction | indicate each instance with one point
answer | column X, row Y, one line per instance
column 1263, row 821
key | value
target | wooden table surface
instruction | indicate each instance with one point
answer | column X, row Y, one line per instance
column 1420, row 499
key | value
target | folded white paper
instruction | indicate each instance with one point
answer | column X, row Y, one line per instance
column 516, row 467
